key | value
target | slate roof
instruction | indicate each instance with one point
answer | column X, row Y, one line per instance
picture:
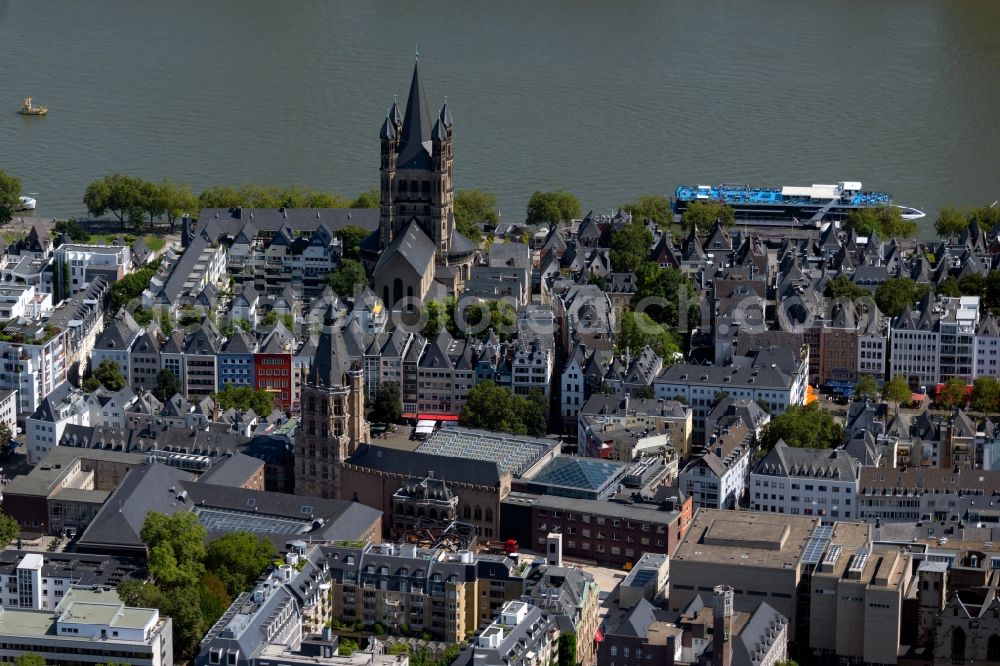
column 120, row 334
column 331, row 361
column 239, row 343
column 415, row 141
column 413, row 464
column 231, row 221
column 413, row 245
column 784, row 460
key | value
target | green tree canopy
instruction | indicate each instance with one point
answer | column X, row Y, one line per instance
column 630, row 247
column 552, row 208
column 653, row 207
column 896, row 294
column 368, row 199
column 73, row 229
column 351, row 236
column 986, row 394
column 502, row 316
column 9, row 529
column 388, row 403
column 897, row 390
column 29, row 659
column 348, row 277
column 270, row 196
column 110, row 375
column 176, row 546
column 473, row 208
column 10, row 196
column 178, row 200
column 129, row 288
column 6, row 437
column 496, row 408
column 125, row 197
column 948, row 287
column 638, row 330
column 885, row 220
column 842, row 287
column 167, row 385
column 952, row 394
column 663, row 294
column 866, row 388
column 238, row 558
column 951, row 222
column 703, row 214
column 806, row 426
column 245, row 398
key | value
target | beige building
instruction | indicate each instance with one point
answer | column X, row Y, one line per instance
column 448, row 595
column 856, row 597
column 838, row 347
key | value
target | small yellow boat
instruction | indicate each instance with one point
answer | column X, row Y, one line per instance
column 28, row 110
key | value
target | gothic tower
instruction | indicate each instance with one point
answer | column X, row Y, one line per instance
column 333, row 416
column 416, row 171
column 722, row 629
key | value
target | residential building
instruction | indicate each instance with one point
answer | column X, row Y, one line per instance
column 8, row 409
column 717, row 478
column 84, row 263
column 33, row 362
column 776, row 376
column 521, row 635
column 200, row 358
column 571, row 597
column 602, row 413
column 44, row 428
column 144, row 360
column 116, row 341
column 272, row 366
column 923, row 494
column 730, row 412
column 16, row 301
column 807, row 482
column 446, row 594
column 40, row 581
column 236, row 360
column 88, row 627
column 936, row 341
column 873, row 343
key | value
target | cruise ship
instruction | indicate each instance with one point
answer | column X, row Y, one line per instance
column 789, row 205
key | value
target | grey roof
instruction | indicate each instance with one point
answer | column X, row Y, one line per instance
column 413, row 245
column 232, row 470
column 239, row 343
column 636, row 622
column 413, row 464
column 120, row 334
column 755, row 635
column 332, row 361
column 415, row 141
column 784, row 460
column 774, row 368
column 230, row 221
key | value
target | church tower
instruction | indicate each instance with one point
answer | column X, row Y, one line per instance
column 416, row 171
column 333, row 415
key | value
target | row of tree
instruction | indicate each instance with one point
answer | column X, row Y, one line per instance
column 190, row 583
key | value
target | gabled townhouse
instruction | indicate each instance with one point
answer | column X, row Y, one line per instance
column 807, row 482
column 717, row 479
column 44, row 428
column 200, row 357
column 936, row 341
column 272, row 366
column 245, row 305
column 236, row 359
column 109, row 409
column 602, row 413
column 144, row 359
column 116, row 342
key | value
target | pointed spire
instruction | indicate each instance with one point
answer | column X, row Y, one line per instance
column 446, row 115
column 438, row 134
column 415, row 142
column 394, row 114
column 388, row 131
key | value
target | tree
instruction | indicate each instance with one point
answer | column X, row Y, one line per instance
column 703, row 214
column 238, row 559
column 245, row 398
column 492, row 407
column 533, row 410
column 178, row 200
column 9, row 529
column 948, row 287
column 552, row 208
column 129, row 288
column 29, row 659
column 473, row 209
column 501, row 319
column 123, row 196
column 952, row 394
column 866, row 388
column 167, row 385
column 351, row 236
column 388, row 403
column 806, row 426
column 638, row 330
column 73, row 229
column 220, row 196
column 663, row 293
column 369, row 199
column 347, row 278
column 986, row 394
column 176, row 546
column 110, row 375
column 567, row 649
column 973, row 284
column 896, row 294
column 951, row 222
column 6, row 437
column 10, row 196
column 213, row 597
column 842, row 287
column 183, row 606
column 630, row 247
column 897, row 390
column 887, row 221
column 653, row 207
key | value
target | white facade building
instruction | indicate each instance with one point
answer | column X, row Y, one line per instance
column 44, row 428
column 806, row 482
column 718, row 478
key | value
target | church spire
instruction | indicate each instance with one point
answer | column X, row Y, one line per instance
column 415, row 142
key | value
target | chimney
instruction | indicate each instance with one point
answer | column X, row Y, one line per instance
column 722, row 617
column 553, row 549
column 185, row 230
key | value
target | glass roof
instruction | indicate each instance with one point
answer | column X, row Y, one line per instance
column 588, row 473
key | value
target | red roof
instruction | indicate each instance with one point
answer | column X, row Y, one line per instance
column 437, row 417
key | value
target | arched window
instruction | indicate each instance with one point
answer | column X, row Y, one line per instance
column 385, row 295
column 478, row 514
column 489, row 514
column 467, row 512
column 397, row 291
column 993, row 648
column 958, row 645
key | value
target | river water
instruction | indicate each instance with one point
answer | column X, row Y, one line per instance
column 604, row 99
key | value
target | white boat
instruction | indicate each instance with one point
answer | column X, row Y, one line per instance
column 28, row 203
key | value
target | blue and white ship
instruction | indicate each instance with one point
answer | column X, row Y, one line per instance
column 789, row 205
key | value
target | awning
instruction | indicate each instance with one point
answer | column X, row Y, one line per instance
column 426, row 423
column 599, row 636
column 425, row 430
column 437, row 417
